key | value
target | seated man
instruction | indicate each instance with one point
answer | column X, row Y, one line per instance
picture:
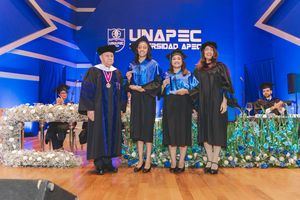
column 268, row 103
column 57, row 130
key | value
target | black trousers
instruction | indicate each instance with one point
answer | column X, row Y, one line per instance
column 57, row 133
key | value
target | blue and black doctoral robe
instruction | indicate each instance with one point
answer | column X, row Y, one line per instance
column 104, row 136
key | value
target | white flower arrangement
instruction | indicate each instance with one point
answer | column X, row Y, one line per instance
column 10, row 129
column 32, row 158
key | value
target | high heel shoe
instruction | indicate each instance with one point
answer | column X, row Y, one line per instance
column 214, row 171
column 180, row 170
column 137, row 169
column 147, row 170
column 172, row 170
column 207, row 169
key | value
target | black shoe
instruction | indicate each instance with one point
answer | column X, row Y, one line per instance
column 207, row 169
column 180, row 170
column 214, row 171
column 137, row 169
column 100, row 170
column 147, row 170
column 172, row 170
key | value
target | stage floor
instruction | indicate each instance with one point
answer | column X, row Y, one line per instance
column 237, row 183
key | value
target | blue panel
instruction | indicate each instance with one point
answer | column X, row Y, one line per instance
column 74, row 74
column 56, row 9
column 287, row 17
column 19, row 64
column 64, row 33
column 50, row 48
column 80, row 18
column 17, row 20
column 15, row 92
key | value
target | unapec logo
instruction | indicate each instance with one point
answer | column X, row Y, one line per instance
column 116, row 36
column 165, row 39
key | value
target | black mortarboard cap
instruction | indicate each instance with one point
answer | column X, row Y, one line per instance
column 209, row 43
column 136, row 43
column 266, row 85
column 174, row 52
column 106, row 48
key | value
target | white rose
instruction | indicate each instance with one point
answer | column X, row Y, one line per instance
column 190, row 156
column 133, row 154
column 24, row 111
column 235, row 159
column 56, row 159
column 226, row 162
column 265, row 155
column 164, row 160
column 30, row 158
column 195, row 155
column 25, row 157
column 281, row 158
column 230, row 158
column 39, row 159
column 257, row 158
column 272, row 158
column 291, row 160
column 160, row 154
column 11, row 139
column 11, row 128
column 67, row 158
column 14, row 151
column 153, row 155
column 288, row 154
column 19, row 152
column 248, row 157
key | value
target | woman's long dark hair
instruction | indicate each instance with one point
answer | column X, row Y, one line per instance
column 202, row 62
column 136, row 54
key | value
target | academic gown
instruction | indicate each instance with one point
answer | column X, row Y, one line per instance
column 143, row 104
column 213, row 84
column 265, row 104
column 104, row 133
column 177, row 110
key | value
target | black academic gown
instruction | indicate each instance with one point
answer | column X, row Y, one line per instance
column 213, row 84
column 104, row 134
column 143, row 104
column 261, row 104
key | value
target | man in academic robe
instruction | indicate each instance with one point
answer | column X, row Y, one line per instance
column 101, row 99
column 268, row 103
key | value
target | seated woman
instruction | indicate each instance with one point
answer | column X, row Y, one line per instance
column 57, row 130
